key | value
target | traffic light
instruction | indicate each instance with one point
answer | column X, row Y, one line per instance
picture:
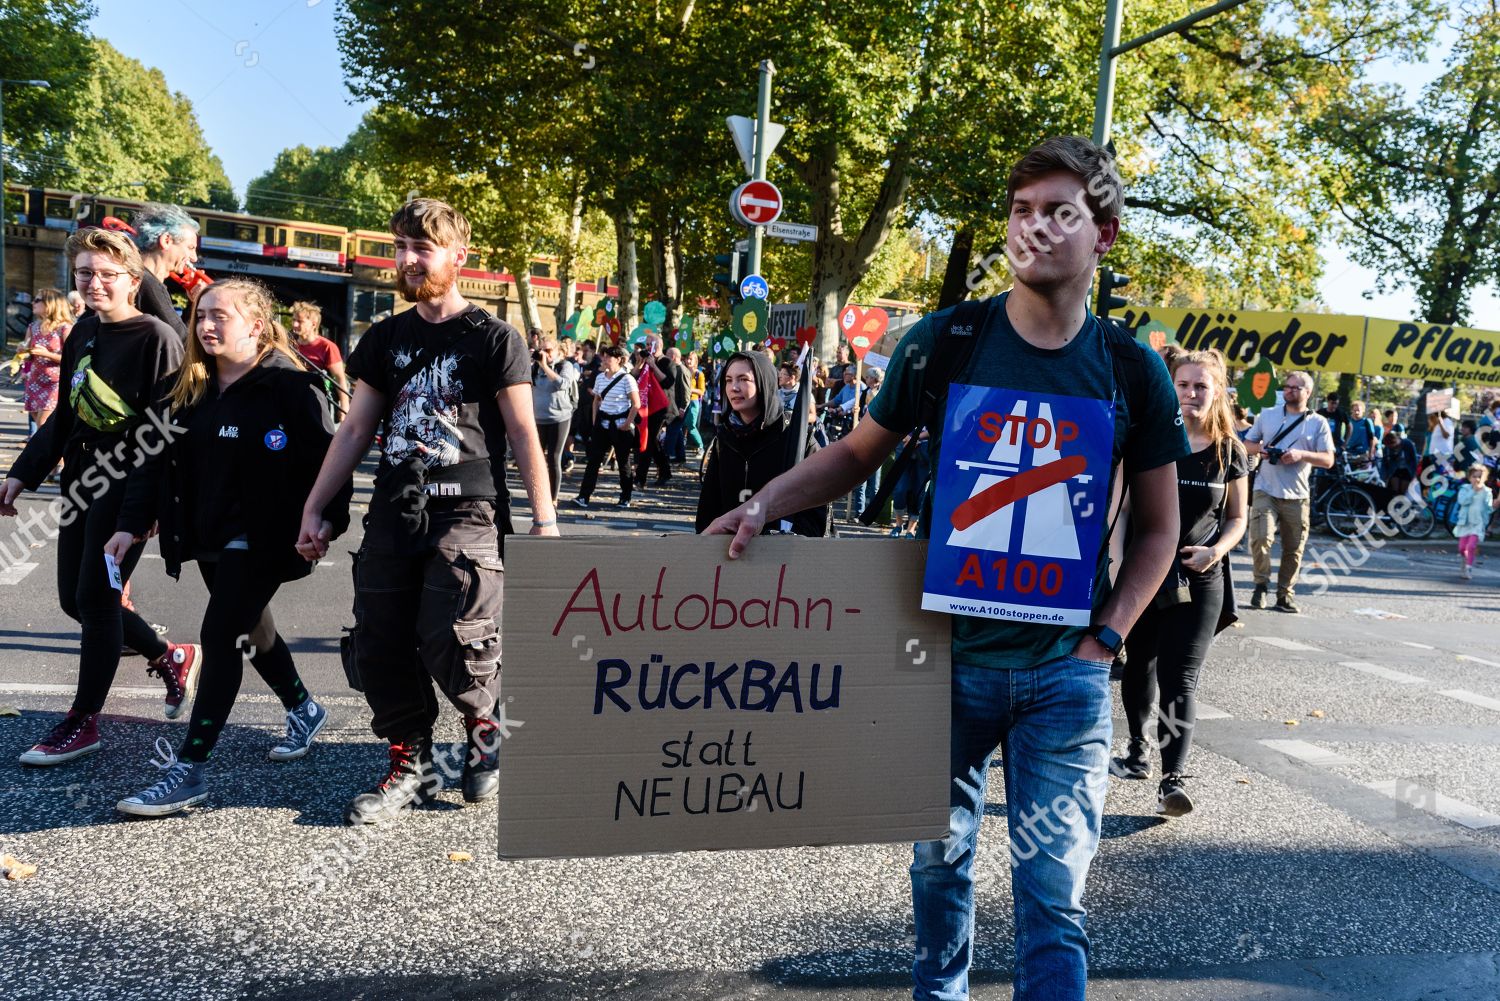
column 731, row 268
column 1107, row 300
column 729, row 273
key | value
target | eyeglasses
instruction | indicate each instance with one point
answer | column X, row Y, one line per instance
column 86, row 275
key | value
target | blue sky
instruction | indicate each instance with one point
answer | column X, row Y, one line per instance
column 264, row 75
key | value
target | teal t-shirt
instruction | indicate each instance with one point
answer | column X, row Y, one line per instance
column 1003, row 360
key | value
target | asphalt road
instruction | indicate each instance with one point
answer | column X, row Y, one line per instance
column 1346, row 844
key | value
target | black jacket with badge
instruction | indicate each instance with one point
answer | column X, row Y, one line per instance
column 281, row 429
column 746, row 457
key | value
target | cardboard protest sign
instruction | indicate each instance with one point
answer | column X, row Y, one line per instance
column 668, row 699
column 1020, row 505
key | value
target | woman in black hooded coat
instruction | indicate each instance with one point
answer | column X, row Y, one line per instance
column 750, row 449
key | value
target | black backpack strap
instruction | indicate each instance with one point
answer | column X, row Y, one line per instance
column 1128, row 359
column 951, row 350
column 475, row 317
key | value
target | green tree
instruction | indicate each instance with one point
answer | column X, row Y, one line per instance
column 112, row 126
column 1220, row 206
column 343, row 186
column 41, row 40
column 1417, row 183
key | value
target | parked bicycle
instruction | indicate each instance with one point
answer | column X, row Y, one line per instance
column 1354, row 503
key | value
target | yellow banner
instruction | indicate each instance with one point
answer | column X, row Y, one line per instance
column 1400, row 350
column 1327, row 342
column 1318, row 341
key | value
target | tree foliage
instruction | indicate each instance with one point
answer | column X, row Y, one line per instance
column 346, row 186
column 107, row 124
column 1416, row 183
column 901, row 119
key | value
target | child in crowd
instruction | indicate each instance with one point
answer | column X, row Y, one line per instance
column 1473, row 516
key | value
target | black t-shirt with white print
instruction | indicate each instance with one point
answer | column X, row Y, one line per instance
column 1202, row 478
column 445, row 413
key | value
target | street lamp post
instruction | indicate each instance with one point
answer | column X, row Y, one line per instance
column 1112, row 47
column 4, row 293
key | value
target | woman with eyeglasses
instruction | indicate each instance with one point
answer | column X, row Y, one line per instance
column 112, row 366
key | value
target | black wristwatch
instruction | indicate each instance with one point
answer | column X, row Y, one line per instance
column 1107, row 637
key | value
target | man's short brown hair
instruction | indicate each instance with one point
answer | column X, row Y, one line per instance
column 431, row 220
column 1094, row 165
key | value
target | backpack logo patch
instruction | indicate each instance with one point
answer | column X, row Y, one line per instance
column 275, row 440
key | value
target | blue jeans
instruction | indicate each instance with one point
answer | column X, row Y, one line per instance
column 1052, row 726
column 674, row 443
column 865, row 492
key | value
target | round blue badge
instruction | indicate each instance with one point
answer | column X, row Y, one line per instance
column 275, row 440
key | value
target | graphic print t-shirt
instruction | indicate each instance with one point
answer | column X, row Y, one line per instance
column 1202, row 479
column 1003, row 359
column 446, row 410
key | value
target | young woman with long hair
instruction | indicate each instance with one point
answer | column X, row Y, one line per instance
column 228, row 494
column 44, row 344
column 1166, row 648
column 112, row 363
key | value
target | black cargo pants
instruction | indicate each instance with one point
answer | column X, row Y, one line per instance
column 429, row 616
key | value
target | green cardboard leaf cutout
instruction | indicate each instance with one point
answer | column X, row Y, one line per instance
column 685, row 335
column 604, row 311
column 1257, row 388
column 570, row 329
column 724, row 345
column 654, row 313
column 752, row 320
column 1155, row 335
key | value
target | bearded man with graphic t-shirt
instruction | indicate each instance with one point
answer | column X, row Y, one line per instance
column 451, row 383
column 1039, row 688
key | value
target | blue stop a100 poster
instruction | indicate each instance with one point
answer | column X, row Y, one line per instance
column 1019, row 507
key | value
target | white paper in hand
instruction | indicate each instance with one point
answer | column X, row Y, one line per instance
column 113, row 569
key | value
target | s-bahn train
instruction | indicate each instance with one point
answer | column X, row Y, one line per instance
column 310, row 243
column 348, row 272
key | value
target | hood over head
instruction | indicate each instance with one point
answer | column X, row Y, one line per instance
column 772, row 414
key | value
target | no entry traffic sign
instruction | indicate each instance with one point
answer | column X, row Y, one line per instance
column 755, row 203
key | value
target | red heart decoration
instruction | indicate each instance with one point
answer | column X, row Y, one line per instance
column 852, row 321
column 806, row 335
column 849, row 318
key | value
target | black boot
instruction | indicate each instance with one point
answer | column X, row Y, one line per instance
column 1258, row 596
column 482, row 763
column 411, row 781
column 1135, row 763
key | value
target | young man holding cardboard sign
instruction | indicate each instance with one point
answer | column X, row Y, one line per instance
column 1042, row 412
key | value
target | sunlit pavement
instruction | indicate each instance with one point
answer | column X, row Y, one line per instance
column 1346, row 842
